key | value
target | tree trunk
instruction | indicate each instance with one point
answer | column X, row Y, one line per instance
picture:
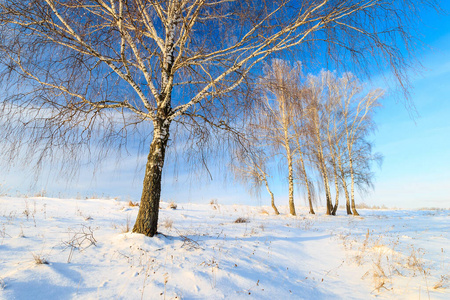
column 308, row 190
column 327, row 193
column 347, row 198
column 311, row 208
column 336, row 186
column 355, row 213
column 290, row 169
column 323, row 170
column 350, row 162
column 347, row 204
column 147, row 218
column 291, row 186
column 271, row 198
column 333, row 155
column 305, row 176
column 336, row 204
column 344, row 187
column 320, row 157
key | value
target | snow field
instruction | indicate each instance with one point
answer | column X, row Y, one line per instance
column 85, row 251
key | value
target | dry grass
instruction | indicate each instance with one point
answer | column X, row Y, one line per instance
column 188, row 243
column 26, row 211
column 379, row 276
column 442, row 283
column 167, row 223
column 21, row 234
column 10, row 218
column 132, row 204
column 264, row 212
column 360, row 255
column 214, row 204
column 79, row 240
column 39, row 259
column 304, row 223
column 41, row 193
column 385, row 263
column 415, row 262
column 126, row 228
column 3, row 233
column 172, row 205
column 241, row 220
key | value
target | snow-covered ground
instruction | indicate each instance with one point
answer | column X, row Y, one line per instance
column 85, row 252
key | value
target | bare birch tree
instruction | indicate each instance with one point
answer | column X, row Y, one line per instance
column 316, row 99
column 340, row 120
column 349, row 109
column 333, row 134
column 302, row 154
column 71, row 65
column 343, row 177
column 250, row 166
column 302, row 113
column 281, row 85
column 357, row 111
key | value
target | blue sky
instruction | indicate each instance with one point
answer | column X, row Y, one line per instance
column 416, row 168
column 415, row 172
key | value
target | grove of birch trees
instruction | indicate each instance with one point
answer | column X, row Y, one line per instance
column 318, row 128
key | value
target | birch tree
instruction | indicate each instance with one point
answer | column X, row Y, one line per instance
column 333, row 139
column 281, row 90
column 357, row 111
column 251, row 167
column 76, row 69
column 340, row 121
column 303, row 152
column 318, row 116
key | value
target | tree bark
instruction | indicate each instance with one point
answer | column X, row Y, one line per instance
column 291, row 186
column 285, row 121
column 305, row 176
column 147, row 218
column 350, row 141
column 328, row 193
column 311, row 208
column 344, row 186
column 322, row 166
column 289, row 155
column 336, row 184
column 347, row 204
column 355, row 213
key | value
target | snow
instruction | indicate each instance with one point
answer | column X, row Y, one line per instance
column 203, row 254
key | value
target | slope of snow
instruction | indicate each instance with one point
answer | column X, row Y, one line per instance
column 203, row 254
